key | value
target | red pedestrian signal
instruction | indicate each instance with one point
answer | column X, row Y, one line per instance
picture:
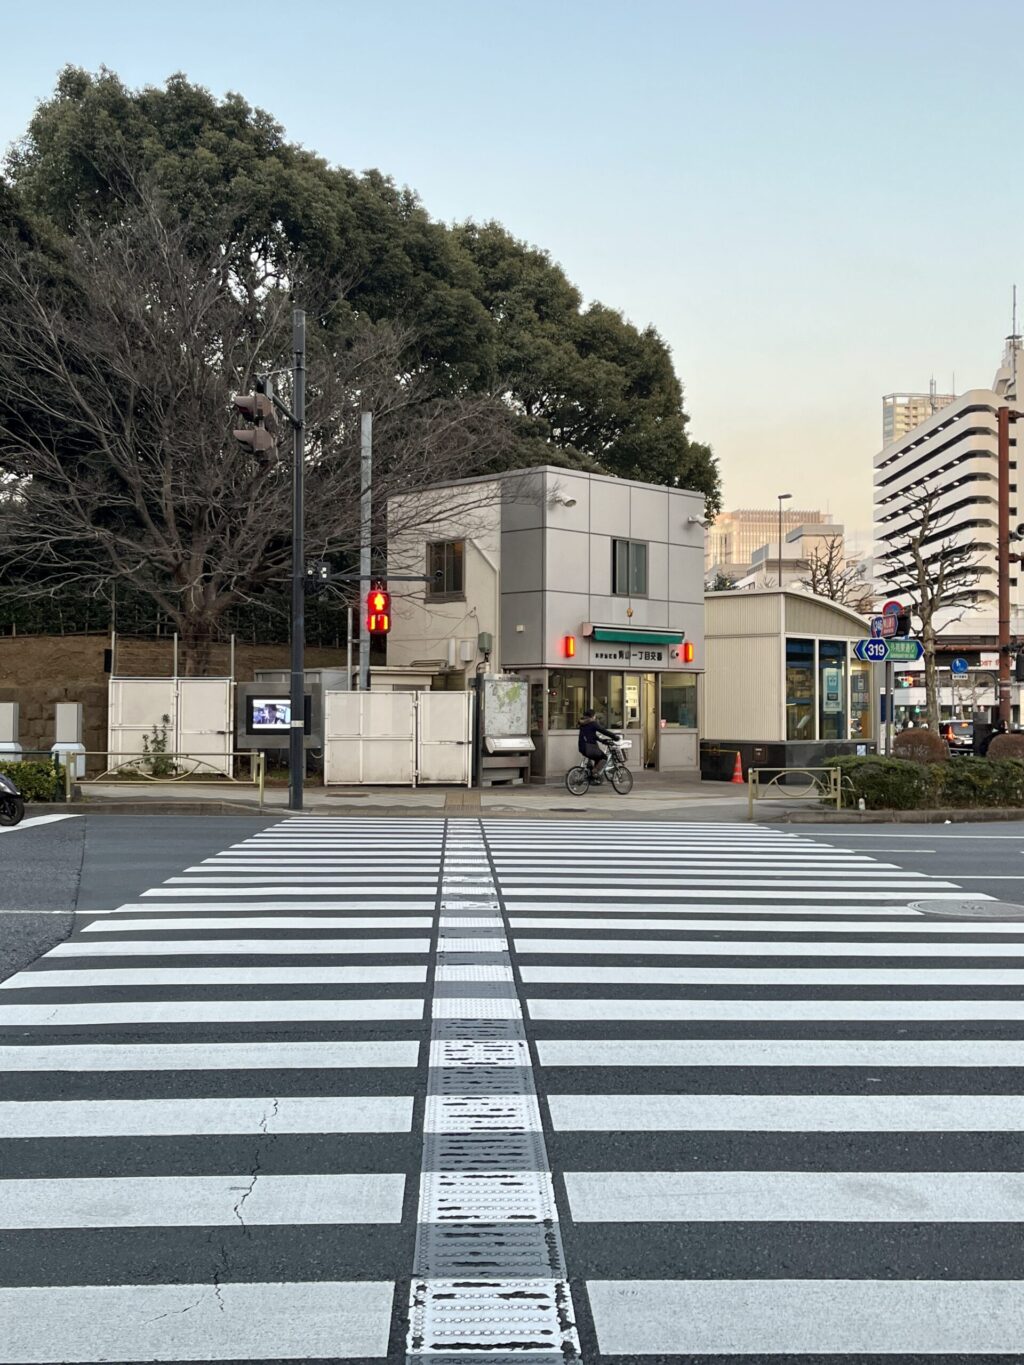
column 378, row 611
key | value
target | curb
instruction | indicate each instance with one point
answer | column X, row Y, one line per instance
column 955, row 816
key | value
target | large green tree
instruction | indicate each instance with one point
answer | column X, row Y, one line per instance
column 480, row 310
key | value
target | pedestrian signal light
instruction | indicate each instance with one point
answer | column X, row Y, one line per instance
column 378, row 611
column 569, row 644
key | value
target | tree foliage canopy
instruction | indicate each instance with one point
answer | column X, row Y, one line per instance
column 482, row 311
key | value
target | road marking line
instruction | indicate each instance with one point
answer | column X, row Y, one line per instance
column 179, row 1117
column 185, row 1012
column 202, row 1201
column 206, row 1057
column 957, row 1319
column 170, row 1322
column 659, row 1113
column 34, row 821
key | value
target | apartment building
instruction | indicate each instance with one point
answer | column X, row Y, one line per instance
column 955, row 453
column 903, row 412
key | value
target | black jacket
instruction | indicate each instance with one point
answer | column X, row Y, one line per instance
column 589, row 731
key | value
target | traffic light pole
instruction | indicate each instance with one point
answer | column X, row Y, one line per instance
column 365, row 533
column 297, row 733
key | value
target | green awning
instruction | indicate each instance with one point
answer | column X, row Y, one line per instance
column 637, row 635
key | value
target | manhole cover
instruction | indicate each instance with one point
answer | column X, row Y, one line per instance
column 969, row 909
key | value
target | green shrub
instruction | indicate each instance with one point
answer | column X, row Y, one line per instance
column 1006, row 746
column 981, row 782
column 37, row 781
column 884, row 783
column 920, row 745
column 899, row 784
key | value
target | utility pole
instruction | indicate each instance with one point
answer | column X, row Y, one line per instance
column 297, row 733
column 365, row 532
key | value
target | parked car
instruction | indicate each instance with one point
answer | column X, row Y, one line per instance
column 959, row 735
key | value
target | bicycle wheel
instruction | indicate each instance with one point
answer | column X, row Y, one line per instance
column 622, row 780
column 578, row 779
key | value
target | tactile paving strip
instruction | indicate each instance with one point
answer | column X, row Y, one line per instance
column 489, row 1273
column 530, row 1316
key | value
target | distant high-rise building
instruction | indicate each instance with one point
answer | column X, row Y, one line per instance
column 902, row 412
column 732, row 539
column 952, row 453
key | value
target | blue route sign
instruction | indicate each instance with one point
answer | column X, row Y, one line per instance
column 888, row 651
column 959, row 667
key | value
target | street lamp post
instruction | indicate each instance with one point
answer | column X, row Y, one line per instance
column 782, row 497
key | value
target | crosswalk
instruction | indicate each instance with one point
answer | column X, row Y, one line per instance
column 464, row 1089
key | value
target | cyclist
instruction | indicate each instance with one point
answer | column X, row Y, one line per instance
column 588, row 745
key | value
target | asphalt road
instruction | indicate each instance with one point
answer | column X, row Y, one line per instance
column 49, row 871
column 687, row 1094
column 986, row 858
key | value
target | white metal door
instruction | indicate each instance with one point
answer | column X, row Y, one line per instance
column 135, row 707
column 369, row 737
column 198, row 723
column 204, row 723
column 445, row 733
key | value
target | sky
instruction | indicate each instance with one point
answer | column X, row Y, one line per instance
column 813, row 203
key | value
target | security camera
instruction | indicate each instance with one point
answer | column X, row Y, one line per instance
column 698, row 521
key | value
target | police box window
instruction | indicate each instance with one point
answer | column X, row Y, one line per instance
column 629, row 568
column 445, row 568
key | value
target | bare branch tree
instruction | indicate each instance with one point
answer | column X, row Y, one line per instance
column 934, row 574
column 117, row 365
column 830, row 574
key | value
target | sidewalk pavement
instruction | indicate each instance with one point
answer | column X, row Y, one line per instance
column 654, row 796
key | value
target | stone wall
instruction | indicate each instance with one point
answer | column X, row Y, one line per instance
column 38, row 671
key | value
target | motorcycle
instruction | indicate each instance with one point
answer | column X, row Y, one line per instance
column 12, row 804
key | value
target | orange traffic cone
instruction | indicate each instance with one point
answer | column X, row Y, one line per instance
column 737, row 770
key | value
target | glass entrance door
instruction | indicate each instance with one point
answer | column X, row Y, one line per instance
column 650, row 716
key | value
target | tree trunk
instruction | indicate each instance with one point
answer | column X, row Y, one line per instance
column 197, row 639
column 931, row 677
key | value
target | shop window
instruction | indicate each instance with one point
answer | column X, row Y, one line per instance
column 679, row 700
column 445, row 561
column 616, row 701
column 799, row 689
column 629, row 568
column 832, row 689
column 567, row 698
column 606, row 691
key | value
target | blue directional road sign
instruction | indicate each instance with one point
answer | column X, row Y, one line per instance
column 959, row 666
column 888, row 651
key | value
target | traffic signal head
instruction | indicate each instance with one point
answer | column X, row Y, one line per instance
column 257, row 408
column 378, row 611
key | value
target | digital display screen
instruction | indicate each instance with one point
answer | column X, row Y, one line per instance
column 269, row 714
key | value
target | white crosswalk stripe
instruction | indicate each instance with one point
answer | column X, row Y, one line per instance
column 231, row 1080
column 783, row 1101
column 773, row 1109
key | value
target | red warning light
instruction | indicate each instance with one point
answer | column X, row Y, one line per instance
column 687, row 652
column 378, row 611
column 569, row 644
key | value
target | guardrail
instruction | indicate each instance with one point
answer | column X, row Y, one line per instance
column 823, row 784
column 130, row 770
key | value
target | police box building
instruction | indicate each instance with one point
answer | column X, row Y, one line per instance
column 589, row 588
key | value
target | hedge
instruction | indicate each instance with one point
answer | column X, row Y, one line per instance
column 900, row 784
column 37, row 781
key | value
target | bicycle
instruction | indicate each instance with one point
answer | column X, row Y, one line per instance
column 578, row 779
